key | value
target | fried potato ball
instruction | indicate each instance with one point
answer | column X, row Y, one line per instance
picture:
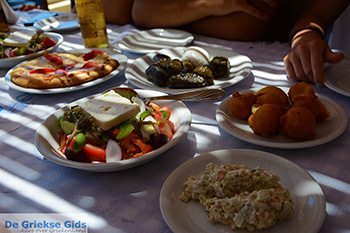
column 314, row 105
column 300, row 89
column 265, row 120
column 298, row 123
column 275, row 91
column 241, row 104
column 268, row 98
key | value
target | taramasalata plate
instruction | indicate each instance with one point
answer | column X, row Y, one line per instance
column 181, row 217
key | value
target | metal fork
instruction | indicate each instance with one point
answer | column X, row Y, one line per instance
column 203, row 94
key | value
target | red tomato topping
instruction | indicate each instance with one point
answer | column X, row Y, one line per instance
column 94, row 153
column 89, row 65
column 54, row 58
column 13, row 54
column 47, row 43
column 41, row 71
column 69, row 66
column 92, row 54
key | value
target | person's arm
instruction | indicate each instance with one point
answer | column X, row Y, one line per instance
column 118, row 11
column 309, row 50
column 169, row 13
column 235, row 26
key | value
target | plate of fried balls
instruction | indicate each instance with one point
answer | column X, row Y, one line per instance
column 281, row 117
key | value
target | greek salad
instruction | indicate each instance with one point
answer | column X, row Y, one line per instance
column 88, row 132
column 40, row 43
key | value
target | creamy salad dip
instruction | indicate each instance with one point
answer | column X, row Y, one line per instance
column 240, row 196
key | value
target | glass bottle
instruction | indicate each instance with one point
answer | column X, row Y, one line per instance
column 92, row 23
column 3, row 22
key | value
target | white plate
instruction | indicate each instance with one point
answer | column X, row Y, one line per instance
column 155, row 39
column 181, row 217
column 6, row 63
column 67, row 22
column 46, row 138
column 241, row 67
column 326, row 130
column 337, row 77
column 122, row 59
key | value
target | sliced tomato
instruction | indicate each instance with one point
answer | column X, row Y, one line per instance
column 13, row 53
column 157, row 115
column 92, row 54
column 69, row 66
column 94, row 153
column 89, row 65
column 41, row 71
column 48, row 43
column 54, row 58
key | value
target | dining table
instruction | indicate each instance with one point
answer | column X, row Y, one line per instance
column 129, row 200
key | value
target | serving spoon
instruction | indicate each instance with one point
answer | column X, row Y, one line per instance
column 197, row 95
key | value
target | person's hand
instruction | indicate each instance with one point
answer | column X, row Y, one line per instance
column 26, row 7
column 225, row 7
column 306, row 57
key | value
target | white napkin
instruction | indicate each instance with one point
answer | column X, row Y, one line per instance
column 10, row 14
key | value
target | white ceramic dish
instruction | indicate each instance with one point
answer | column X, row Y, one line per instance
column 337, row 77
column 67, row 22
column 47, row 135
column 241, row 67
column 6, row 63
column 123, row 60
column 326, row 130
column 155, row 39
column 181, row 217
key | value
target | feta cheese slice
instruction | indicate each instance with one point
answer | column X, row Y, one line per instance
column 20, row 39
column 110, row 109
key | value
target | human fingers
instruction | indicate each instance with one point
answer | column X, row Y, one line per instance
column 294, row 67
column 317, row 64
column 26, row 7
column 317, row 69
column 332, row 57
column 289, row 68
column 21, row 8
column 306, row 63
column 296, row 57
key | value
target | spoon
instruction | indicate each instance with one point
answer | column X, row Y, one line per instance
column 197, row 95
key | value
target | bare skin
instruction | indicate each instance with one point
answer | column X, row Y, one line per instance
column 308, row 49
column 118, row 11
column 207, row 17
column 245, row 21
